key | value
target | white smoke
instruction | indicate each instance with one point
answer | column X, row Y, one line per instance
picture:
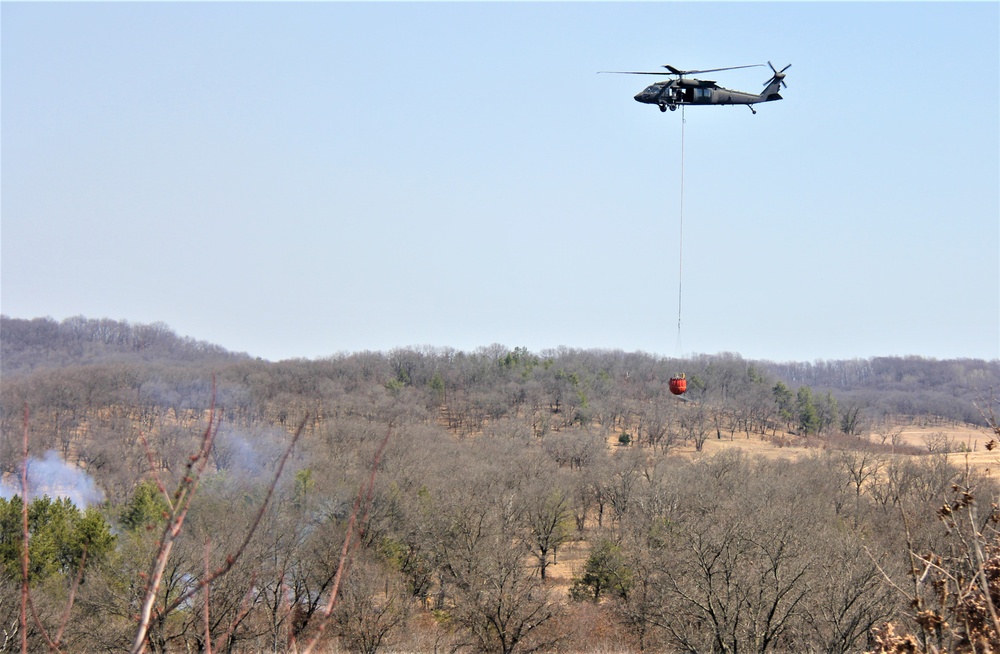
column 248, row 455
column 54, row 477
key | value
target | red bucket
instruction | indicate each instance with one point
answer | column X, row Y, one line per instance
column 678, row 385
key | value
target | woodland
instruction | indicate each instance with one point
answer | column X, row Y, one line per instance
column 182, row 497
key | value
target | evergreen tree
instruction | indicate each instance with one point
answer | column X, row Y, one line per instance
column 58, row 535
column 784, row 399
column 805, row 409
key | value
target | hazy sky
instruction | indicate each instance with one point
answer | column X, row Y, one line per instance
column 296, row 180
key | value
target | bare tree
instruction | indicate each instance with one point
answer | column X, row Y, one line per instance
column 548, row 520
column 499, row 604
column 862, row 467
column 694, row 427
column 372, row 609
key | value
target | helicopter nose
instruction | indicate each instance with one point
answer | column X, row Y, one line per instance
column 640, row 97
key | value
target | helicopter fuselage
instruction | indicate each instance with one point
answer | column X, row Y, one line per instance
column 671, row 93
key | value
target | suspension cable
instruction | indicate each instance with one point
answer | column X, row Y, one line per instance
column 680, row 241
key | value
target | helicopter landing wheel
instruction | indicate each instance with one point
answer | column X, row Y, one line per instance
column 673, row 107
column 663, row 107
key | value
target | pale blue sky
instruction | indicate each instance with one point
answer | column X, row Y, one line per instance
column 296, row 180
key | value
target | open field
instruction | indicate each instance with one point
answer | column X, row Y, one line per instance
column 963, row 444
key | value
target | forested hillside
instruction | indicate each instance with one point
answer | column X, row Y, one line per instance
column 496, row 500
column 900, row 385
column 45, row 343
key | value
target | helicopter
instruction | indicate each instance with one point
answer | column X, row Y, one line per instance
column 682, row 91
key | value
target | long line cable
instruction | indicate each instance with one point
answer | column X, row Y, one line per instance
column 680, row 241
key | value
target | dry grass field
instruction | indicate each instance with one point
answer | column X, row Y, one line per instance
column 963, row 444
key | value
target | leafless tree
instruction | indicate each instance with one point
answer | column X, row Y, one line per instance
column 499, row 603
column 372, row 609
column 547, row 518
column 694, row 427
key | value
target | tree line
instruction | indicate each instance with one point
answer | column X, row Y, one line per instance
column 899, row 385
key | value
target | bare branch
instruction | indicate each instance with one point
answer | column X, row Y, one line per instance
column 985, row 407
column 981, row 567
column 885, row 575
column 72, row 596
column 243, row 610
column 41, row 628
column 152, row 469
column 208, row 623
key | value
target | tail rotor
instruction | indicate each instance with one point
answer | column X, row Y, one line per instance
column 779, row 75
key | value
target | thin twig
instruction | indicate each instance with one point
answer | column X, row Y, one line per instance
column 244, row 609
column 285, row 606
column 208, row 623
column 152, row 469
column 41, row 628
column 977, row 539
column 72, row 596
column 991, row 419
column 885, row 576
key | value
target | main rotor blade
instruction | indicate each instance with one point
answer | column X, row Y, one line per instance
column 675, row 71
column 633, row 72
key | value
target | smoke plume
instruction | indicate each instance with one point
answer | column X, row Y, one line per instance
column 54, row 477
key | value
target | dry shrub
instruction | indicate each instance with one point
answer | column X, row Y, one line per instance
column 955, row 597
column 889, row 642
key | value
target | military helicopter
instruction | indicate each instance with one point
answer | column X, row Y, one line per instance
column 681, row 91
